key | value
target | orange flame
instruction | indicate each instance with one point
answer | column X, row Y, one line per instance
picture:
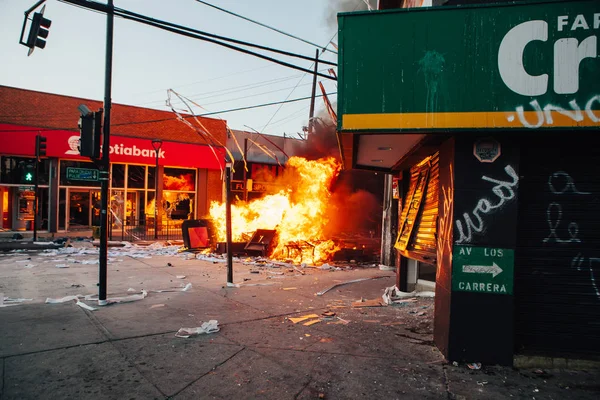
column 182, row 182
column 298, row 213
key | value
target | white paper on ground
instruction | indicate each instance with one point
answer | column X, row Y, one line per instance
column 180, row 277
column 29, row 266
column 211, row 326
column 85, row 306
column 127, row 299
column 393, row 294
column 62, row 266
column 187, row 287
column 63, row 299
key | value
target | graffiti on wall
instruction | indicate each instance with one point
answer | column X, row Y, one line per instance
column 543, row 115
column 561, row 183
column 474, row 222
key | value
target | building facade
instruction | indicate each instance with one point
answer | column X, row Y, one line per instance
column 189, row 170
column 484, row 118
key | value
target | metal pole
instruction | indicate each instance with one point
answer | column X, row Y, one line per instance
column 228, row 222
column 105, row 164
column 36, row 187
column 314, row 92
column 156, row 196
column 245, row 174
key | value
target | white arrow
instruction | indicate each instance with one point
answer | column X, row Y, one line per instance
column 493, row 269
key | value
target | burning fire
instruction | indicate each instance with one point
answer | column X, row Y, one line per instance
column 298, row 214
column 182, row 182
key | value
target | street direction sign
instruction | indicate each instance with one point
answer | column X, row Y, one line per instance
column 82, row 174
column 482, row 269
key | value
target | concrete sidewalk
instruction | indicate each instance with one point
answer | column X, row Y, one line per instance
column 129, row 350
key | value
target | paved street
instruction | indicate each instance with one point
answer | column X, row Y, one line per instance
column 128, row 350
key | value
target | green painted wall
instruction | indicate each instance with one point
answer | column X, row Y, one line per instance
column 446, row 59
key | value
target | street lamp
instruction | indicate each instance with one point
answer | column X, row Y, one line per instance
column 156, row 144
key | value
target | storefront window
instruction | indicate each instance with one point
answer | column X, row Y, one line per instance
column 117, row 208
column 66, row 178
column 21, row 170
column 179, row 185
column 136, row 174
column 179, row 179
column 118, row 175
column 151, row 179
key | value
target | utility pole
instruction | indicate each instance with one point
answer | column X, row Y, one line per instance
column 228, row 222
column 245, row 166
column 36, row 186
column 105, row 162
column 314, row 93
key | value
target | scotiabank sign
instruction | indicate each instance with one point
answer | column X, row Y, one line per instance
column 20, row 141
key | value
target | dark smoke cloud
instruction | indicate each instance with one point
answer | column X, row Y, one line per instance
column 337, row 6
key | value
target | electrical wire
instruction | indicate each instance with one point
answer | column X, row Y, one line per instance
column 70, row 128
column 200, row 37
column 197, row 34
column 266, row 26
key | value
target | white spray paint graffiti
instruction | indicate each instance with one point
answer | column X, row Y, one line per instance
column 561, row 183
column 505, row 192
column 554, row 211
column 569, row 186
column 553, row 223
column 544, row 116
column 578, row 261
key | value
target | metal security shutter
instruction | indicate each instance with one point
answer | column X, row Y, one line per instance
column 557, row 259
column 417, row 229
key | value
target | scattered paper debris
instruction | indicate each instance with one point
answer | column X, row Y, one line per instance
column 187, row 287
column 312, row 322
column 322, row 292
column 289, row 288
column 386, row 267
column 392, row 295
column 211, row 326
column 28, row 266
column 8, row 301
column 474, row 365
column 295, row 320
column 131, row 290
column 85, row 306
column 63, row 299
column 157, row 305
column 180, row 277
column 62, row 266
column 367, row 303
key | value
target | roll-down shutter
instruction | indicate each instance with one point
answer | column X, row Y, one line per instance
column 557, row 259
column 417, row 228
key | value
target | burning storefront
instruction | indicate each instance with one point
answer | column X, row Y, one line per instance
column 69, row 194
column 307, row 210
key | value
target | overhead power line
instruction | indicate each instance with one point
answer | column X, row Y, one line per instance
column 324, row 48
column 200, row 35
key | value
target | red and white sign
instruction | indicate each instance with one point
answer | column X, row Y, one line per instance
column 20, row 141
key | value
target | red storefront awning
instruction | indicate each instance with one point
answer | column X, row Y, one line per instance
column 20, row 141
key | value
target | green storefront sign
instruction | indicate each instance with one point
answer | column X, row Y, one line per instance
column 522, row 65
column 482, row 269
column 82, row 174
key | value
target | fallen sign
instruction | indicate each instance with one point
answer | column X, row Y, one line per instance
column 322, row 292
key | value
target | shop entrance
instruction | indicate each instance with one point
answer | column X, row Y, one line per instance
column 84, row 208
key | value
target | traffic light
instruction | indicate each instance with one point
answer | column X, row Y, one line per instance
column 90, row 134
column 28, row 174
column 38, row 31
column 40, row 146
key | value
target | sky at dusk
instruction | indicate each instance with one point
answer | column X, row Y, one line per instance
column 148, row 61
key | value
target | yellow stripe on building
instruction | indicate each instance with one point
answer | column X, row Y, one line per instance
column 465, row 120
